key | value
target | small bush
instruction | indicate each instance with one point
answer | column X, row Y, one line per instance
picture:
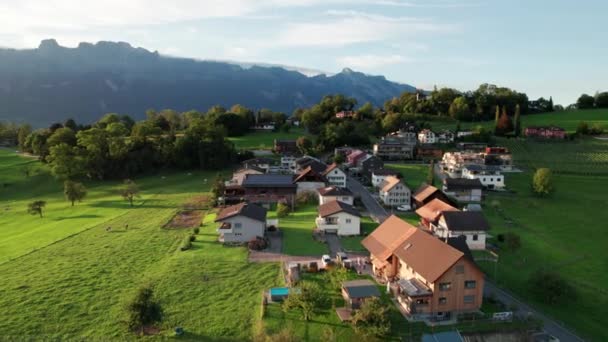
column 282, row 210
column 257, row 244
column 513, row 241
column 550, row 287
column 196, row 230
column 192, row 238
column 500, row 237
column 307, row 197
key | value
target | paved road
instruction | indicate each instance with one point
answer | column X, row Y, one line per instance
column 550, row 325
column 376, row 211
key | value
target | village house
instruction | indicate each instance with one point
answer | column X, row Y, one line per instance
column 337, row 217
column 309, row 180
column 335, row 176
column 453, row 162
column 380, row 175
column 427, row 193
column 241, row 223
column 285, row 146
column 489, row 176
column 445, row 137
column 471, row 146
column 355, row 292
column 239, row 175
column 463, row 190
column 288, row 163
column 430, row 278
column 394, row 193
column 370, row 164
column 499, row 156
column 306, row 161
column 261, row 163
column 426, row 136
column 334, row 193
column 470, row 224
column 396, row 146
column 354, row 156
column 345, row 114
column 545, row 132
column 432, row 211
column 267, row 126
column 267, row 189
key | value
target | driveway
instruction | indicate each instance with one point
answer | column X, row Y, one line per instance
column 333, row 243
column 376, row 211
column 550, row 326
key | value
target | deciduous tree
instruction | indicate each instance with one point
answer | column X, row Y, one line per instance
column 129, row 191
column 144, row 310
column 36, row 207
column 74, row 191
column 371, row 320
column 308, row 297
column 542, row 182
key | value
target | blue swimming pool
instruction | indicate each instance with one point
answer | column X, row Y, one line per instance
column 279, row 291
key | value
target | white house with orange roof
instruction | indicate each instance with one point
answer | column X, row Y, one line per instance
column 393, row 192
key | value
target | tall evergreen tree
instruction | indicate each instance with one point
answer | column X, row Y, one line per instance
column 517, row 120
column 550, row 104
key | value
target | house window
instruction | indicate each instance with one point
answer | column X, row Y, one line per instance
column 459, row 269
column 348, row 220
column 445, row 286
column 475, row 237
column 238, row 225
column 443, row 300
column 470, row 299
column 470, row 284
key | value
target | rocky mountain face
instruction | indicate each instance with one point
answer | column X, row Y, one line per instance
column 52, row 83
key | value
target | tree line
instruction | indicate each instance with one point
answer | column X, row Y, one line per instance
column 116, row 146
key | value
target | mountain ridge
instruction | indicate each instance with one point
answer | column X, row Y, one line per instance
column 52, row 83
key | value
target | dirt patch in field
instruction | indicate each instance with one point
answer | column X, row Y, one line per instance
column 185, row 219
column 198, row 203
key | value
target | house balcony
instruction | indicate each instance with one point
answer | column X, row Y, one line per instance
column 324, row 224
column 413, row 295
column 224, row 228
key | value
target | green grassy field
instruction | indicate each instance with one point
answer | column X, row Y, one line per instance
column 564, row 233
column 75, row 285
column 568, row 120
column 297, row 232
column 353, row 243
column 264, row 140
column 413, row 174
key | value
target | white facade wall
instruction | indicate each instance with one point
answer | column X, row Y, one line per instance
column 345, row 223
column 398, row 195
column 243, row 229
column 491, row 181
column 377, row 180
column 337, row 177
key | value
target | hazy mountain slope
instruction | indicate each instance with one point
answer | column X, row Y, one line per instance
column 52, row 83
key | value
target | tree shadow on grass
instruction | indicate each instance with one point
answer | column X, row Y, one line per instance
column 125, row 205
column 87, row 216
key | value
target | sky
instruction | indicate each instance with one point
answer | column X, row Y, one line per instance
column 545, row 48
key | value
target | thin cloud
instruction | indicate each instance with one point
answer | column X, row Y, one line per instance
column 372, row 61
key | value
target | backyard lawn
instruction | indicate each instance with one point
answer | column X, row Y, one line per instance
column 353, row 243
column 264, row 140
column 297, row 232
column 77, row 287
column 413, row 174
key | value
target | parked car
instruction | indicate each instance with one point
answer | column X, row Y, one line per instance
column 404, row 207
column 325, row 260
column 343, row 259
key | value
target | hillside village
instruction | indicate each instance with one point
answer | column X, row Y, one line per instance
column 401, row 237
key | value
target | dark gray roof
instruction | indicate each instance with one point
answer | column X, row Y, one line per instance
column 465, row 220
column 315, row 165
column 386, row 172
column 252, row 211
column 363, row 288
column 460, row 243
column 269, row 180
column 454, row 184
column 261, row 160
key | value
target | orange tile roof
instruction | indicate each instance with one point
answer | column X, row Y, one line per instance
column 387, row 237
column 424, row 253
column 424, row 191
column 427, row 255
column 389, row 183
column 329, row 169
column 432, row 210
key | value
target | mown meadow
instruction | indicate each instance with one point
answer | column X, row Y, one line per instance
column 77, row 281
